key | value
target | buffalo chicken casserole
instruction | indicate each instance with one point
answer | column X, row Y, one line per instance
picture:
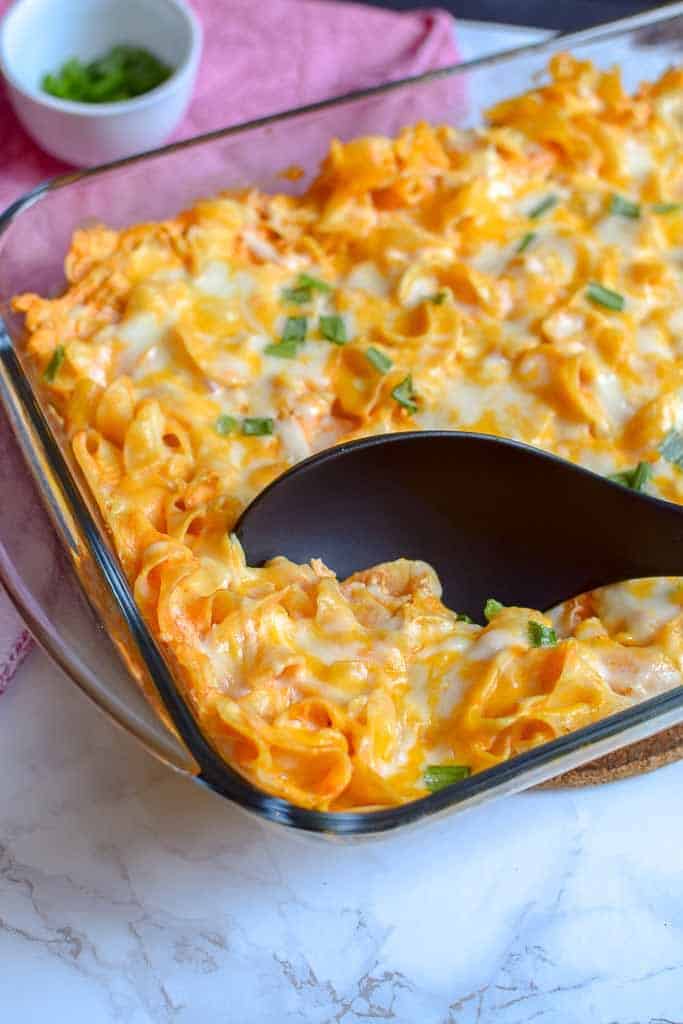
column 524, row 279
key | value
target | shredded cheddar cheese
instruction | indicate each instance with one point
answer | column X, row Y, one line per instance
column 525, row 280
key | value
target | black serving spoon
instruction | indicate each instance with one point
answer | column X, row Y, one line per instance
column 495, row 518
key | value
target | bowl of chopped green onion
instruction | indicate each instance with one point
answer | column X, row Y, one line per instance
column 97, row 80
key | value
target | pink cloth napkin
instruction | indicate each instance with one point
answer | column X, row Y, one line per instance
column 258, row 58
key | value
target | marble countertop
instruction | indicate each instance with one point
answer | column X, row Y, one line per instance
column 129, row 895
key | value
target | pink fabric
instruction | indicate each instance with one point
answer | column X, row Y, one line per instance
column 259, row 58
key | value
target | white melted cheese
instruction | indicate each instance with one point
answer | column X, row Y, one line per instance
column 493, row 259
column 260, row 247
column 419, row 289
column 651, row 341
column 452, row 684
column 139, row 333
column 676, row 327
column 639, row 611
column 614, row 402
column 294, row 441
column 637, row 156
column 215, row 280
column 547, row 245
column 464, row 403
column 491, row 642
column 309, row 365
column 619, row 231
column 636, row 673
column 368, row 278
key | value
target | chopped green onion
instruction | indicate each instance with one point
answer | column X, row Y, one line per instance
column 461, row 617
column 438, row 298
column 526, row 241
column 641, row 475
column 666, row 207
column 292, row 339
column 296, row 295
column 305, row 285
column 635, row 478
column 543, row 207
column 225, row 425
column 403, row 393
column 672, row 448
column 437, row 776
column 602, row 296
column 624, row 207
column 254, row 426
column 306, row 281
column 377, row 359
column 295, row 329
column 540, row 635
column 285, row 349
column 334, row 329
column 121, row 74
column 54, row 366
column 492, row 608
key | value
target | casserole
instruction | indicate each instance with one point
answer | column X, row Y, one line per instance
column 383, row 110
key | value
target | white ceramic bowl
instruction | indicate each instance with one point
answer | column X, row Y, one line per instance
column 38, row 36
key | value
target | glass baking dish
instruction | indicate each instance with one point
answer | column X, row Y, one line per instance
column 55, row 558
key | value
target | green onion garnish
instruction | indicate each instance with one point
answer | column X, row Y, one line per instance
column 288, row 349
column 292, row 339
column 296, row 295
column 635, row 478
column 624, row 207
column 377, row 359
column 437, row 776
column 438, row 298
column 540, row 635
column 666, row 207
column 302, row 290
column 334, row 329
column 314, row 283
column 602, row 296
column 492, row 608
column 403, row 393
column 295, row 329
column 54, row 366
column 121, row 74
column 543, row 207
column 461, row 617
column 526, row 241
column 225, row 425
column 254, row 426
column 672, row 448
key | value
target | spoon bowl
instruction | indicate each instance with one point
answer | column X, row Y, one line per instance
column 495, row 518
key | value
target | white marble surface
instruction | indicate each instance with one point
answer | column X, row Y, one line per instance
column 130, row 895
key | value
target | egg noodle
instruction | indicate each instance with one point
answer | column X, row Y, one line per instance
column 523, row 279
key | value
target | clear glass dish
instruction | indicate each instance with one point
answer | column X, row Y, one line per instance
column 55, row 559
